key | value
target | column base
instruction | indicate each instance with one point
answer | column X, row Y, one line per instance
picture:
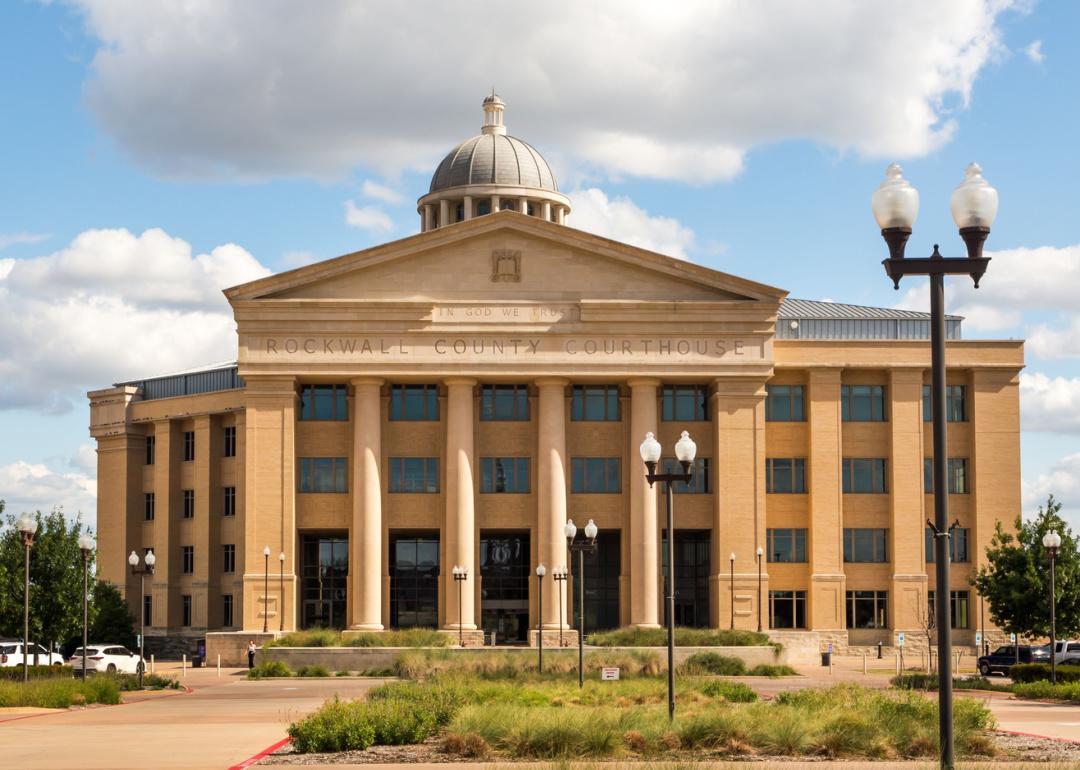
column 472, row 637
column 647, row 625
column 362, row 628
column 551, row 638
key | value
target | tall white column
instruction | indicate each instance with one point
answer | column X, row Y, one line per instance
column 429, row 217
column 460, row 519
column 494, row 203
column 444, row 212
column 365, row 540
column 468, row 207
column 551, row 492
column 545, row 211
column 560, row 214
column 644, row 548
column 524, row 206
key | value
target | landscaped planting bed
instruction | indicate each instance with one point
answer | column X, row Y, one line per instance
column 321, row 637
column 56, row 693
column 684, row 637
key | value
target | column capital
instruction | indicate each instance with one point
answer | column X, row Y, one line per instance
column 551, row 382
column 644, row 382
column 367, row 381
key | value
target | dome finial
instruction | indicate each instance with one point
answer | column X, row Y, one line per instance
column 493, row 114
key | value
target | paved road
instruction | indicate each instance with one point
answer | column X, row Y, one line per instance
column 223, row 722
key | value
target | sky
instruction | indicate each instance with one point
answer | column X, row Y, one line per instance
column 153, row 153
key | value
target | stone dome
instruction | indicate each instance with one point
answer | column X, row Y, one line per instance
column 493, row 159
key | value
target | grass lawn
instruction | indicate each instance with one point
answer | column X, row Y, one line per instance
column 55, row 693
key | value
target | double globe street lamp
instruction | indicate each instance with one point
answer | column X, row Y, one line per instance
column 581, row 547
column 461, row 574
column 27, row 526
column 559, row 575
column 974, row 204
column 142, row 572
column 86, row 545
column 685, row 452
column 541, row 570
column 1052, row 542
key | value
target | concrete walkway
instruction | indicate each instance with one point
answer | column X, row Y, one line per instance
column 222, row 722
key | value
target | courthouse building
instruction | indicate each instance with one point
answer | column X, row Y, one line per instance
column 453, row 397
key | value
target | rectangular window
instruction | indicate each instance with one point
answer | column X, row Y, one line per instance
column 324, row 402
column 595, row 403
column 148, row 506
column 785, row 475
column 229, row 433
column 785, row 545
column 958, row 545
column 148, row 610
column 595, row 474
column 504, row 403
column 864, row 476
column 787, row 609
column 189, row 503
column 189, row 445
column 504, row 474
column 956, row 473
column 187, row 559
column 867, row 609
column 414, row 580
column 226, row 610
column 186, row 604
column 955, row 411
column 862, row 403
column 414, row 474
column 151, row 444
column 958, row 608
column 414, row 402
column 229, row 503
column 866, row 545
column 684, row 403
column 785, row 403
column 699, row 476
column 228, row 558
column 324, row 474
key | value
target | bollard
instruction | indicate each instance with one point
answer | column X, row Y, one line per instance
column 183, row 666
column 879, row 650
column 151, row 664
column 219, row 664
column 864, row 663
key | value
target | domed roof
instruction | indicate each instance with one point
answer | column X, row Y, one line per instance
column 493, row 159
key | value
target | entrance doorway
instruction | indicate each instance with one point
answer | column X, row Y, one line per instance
column 324, row 572
column 691, row 577
column 414, row 579
column 504, row 598
column 602, row 571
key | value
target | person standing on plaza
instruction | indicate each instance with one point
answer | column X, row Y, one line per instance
column 251, row 654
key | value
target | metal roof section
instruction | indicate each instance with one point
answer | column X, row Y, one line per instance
column 804, row 319
column 206, row 379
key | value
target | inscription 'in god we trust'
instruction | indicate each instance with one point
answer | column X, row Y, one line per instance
column 503, row 313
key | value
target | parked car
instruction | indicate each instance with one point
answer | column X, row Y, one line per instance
column 106, row 659
column 999, row 660
column 11, row 654
column 1066, row 651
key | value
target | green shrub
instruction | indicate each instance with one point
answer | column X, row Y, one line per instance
column 684, row 637
column 772, row 670
column 929, row 682
column 314, row 637
column 343, row 672
column 733, row 692
column 59, row 693
column 334, row 726
column 15, row 673
column 1068, row 691
column 324, row 637
column 313, row 669
column 130, row 682
column 497, row 664
column 1040, row 672
column 714, row 663
column 269, row 668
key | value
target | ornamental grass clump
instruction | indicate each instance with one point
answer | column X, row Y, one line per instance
column 269, row 669
column 59, row 693
column 325, row 637
column 684, row 637
column 335, row 726
column 715, row 664
column 313, row 670
column 1069, row 691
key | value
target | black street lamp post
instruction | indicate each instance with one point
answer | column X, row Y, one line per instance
column 731, row 587
column 86, row 545
column 541, row 570
column 1052, row 542
column 27, row 526
column 581, row 547
column 760, row 552
column 685, row 451
column 974, row 204
column 461, row 574
column 266, row 587
column 142, row 572
column 558, row 574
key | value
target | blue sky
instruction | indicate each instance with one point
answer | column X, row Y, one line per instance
column 728, row 133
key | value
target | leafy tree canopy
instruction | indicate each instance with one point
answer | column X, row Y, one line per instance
column 1015, row 581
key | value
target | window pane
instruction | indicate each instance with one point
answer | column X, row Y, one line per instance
column 613, row 480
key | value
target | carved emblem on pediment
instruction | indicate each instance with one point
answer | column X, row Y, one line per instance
column 505, row 265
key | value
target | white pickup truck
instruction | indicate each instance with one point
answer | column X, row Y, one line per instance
column 11, row 654
column 1067, row 652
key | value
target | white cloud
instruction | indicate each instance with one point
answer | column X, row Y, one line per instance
column 229, row 88
column 1059, row 341
column 367, row 218
column 294, row 259
column 1049, row 403
column 1063, row 481
column 113, row 306
column 85, row 460
column 623, row 220
column 10, row 239
column 35, row 487
column 380, row 192
column 1034, row 52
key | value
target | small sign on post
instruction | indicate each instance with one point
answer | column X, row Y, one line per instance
column 609, row 673
column 978, row 638
column 1012, row 638
column 900, row 639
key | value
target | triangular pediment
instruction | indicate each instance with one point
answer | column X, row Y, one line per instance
column 505, row 256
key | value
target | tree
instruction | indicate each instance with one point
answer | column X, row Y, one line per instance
column 1015, row 582
column 113, row 621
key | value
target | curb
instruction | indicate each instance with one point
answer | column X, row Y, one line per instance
column 256, row 757
column 1043, row 737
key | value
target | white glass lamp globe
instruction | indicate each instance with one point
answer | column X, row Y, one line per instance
column 974, row 202
column 760, row 551
column 1051, row 540
column 456, row 570
column 541, row 570
column 732, row 557
column 266, row 551
column 570, row 529
column 27, row 524
column 151, row 560
column 685, row 448
column 86, row 542
column 895, row 202
column 591, row 529
column 281, row 557
column 133, row 559
column 650, row 449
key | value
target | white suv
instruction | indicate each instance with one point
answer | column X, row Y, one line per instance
column 11, row 654
column 106, row 658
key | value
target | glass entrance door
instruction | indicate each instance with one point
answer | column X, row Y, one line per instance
column 691, row 576
column 324, row 570
column 504, row 596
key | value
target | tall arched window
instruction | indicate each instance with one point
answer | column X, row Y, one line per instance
column 483, row 207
